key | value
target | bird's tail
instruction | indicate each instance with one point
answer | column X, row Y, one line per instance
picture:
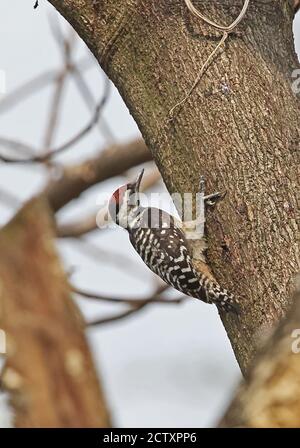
column 223, row 299
column 211, row 292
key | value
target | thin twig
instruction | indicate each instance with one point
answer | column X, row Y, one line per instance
column 54, row 109
column 81, row 226
column 131, row 311
column 17, row 146
column 136, row 305
column 88, row 98
column 58, row 35
column 110, row 319
column 75, row 139
column 155, row 298
column 67, row 47
column 98, row 254
column 30, row 87
column 90, row 125
column 27, row 89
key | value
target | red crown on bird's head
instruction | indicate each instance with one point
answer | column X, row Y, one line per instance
column 124, row 195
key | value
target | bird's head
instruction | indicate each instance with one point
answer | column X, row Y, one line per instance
column 124, row 203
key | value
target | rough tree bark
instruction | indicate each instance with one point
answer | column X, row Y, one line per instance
column 270, row 396
column 239, row 128
column 49, row 372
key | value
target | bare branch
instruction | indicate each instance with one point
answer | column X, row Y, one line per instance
column 27, row 89
column 90, row 125
column 93, row 251
column 116, row 317
column 80, row 227
column 67, row 46
column 131, row 311
column 17, row 146
column 136, row 305
column 88, row 98
column 62, row 42
column 155, row 298
column 36, row 84
column 75, row 139
column 109, row 163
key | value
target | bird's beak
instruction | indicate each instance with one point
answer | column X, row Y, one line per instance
column 138, row 181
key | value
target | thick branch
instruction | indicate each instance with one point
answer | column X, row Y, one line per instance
column 49, row 371
column 111, row 162
column 239, row 127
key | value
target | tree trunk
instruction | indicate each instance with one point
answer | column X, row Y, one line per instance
column 270, row 396
column 239, row 128
column 49, row 372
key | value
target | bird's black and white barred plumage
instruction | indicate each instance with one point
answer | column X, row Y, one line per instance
column 161, row 243
column 163, row 247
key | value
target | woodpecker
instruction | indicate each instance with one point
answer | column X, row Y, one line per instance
column 159, row 239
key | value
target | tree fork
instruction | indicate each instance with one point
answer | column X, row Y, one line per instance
column 239, row 128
